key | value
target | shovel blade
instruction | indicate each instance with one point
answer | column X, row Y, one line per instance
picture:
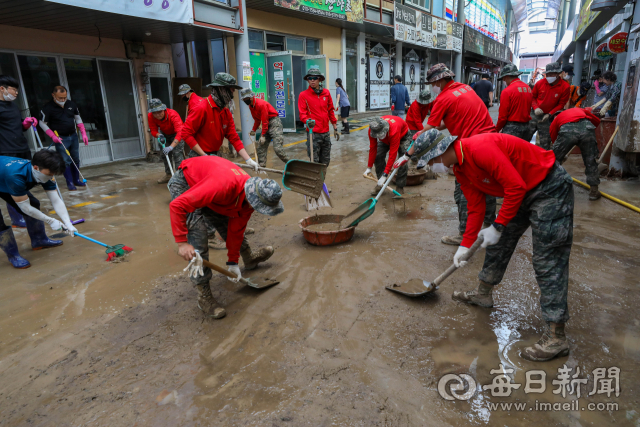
column 602, row 167
column 260, row 282
column 304, row 177
column 413, row 288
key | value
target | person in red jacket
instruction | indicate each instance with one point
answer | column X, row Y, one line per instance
column 226, row 196
column 419, row 110
column 209, row 120
column 264, row 114
column 576, row 127
column 515, row 104
column 316, row 111
column 538, row 193
column 460, row 110
column 166, row 124
column 549, row 97
column 388, row 134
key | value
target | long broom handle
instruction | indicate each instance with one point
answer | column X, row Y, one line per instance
column 465, row 257
column 388, row 188
column 260, row 168
column 604, row 152
column 223, row 271
column 90, row 239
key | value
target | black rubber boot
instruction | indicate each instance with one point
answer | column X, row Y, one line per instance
column 345, row 128
column 68, row 176
column 39, row 238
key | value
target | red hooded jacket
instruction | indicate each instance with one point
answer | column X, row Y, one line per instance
column 208, row 125
column 262, row 111
column 416, row 115
column 515, row 104
column 171, row 124
column 318, row 108
column 397, row 129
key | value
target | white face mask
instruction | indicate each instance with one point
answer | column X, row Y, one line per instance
column 567, row 77
column 39, row 176
column 8, row 97
column 435, row 90
column 551, row 80
column 439, row 167
column 60, row 103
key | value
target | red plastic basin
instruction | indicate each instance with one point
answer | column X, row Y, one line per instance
column 325, row 238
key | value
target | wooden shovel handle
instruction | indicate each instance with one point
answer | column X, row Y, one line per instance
column 604, row 152
column 260, row 168
column 222, row 270
column 373, row 179
column 472, row 250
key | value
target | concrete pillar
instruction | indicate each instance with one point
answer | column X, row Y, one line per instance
column 362, row 74
column 343, row 58
column 565, row 59
column 572, row 12
column 558, row 27
column 578, row 59
column 457, row 61
column 565, row 16
column 398, row 61
column 507, row 34
column 241, row 42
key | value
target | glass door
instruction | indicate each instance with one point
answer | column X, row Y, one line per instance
column 123, row 116
column 8, row 67
column 84, row 88
column 351, row 83
column 281, row 90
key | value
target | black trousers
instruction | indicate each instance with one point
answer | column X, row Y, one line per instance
column 9, row 199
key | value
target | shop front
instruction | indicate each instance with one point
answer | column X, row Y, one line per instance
column 483, row 55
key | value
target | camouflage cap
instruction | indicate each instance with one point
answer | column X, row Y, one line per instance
column 247, row 93
column 509, row 70
column 553, row 67
column 184, row 89
column 314, row 72
column 439, row 72
column 224, row 80
column 425, row 96
column 431, row 144
column 156, row 105
column 378, row 127
column 264, row 196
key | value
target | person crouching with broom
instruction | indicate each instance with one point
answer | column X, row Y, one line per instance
column 226, row 196
column 17, row 177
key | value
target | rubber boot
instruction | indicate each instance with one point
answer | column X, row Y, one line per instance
column 452, row 240
column 215, row 242
column 69, row 178
column 208, row 304
column 376, row 190
column 400, row 190
column 594, row 194
column 251, row 259
column 345, row 128
column 552, row 344
column 482, row 295
column 17, row 221
column 164, row 179
column 39, row 239
column 10, row 247
column 75, row 173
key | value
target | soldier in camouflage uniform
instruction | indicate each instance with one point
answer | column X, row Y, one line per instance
column 166, row 124
column 264, row 114
column 538, row 193
column 548, row 100
column 515, row 104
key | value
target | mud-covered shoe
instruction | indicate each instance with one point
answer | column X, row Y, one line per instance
column 452, row 240
column 400, row 190
column 248, row 231
column 376, row 190
column 251, row 258
column 482, row 295
column 552, row 344
column 208, row 304
column 594, row 194
column 164, row 179
column 217, row 243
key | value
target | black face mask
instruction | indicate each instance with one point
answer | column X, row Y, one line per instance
column 185, row 98
column 247, row 101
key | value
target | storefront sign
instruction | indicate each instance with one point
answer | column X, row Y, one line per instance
column 379, row 83
column 602, row 52
column 421, row 29
column 480, row 44
column 618, row 43
column 412, row 78
column 180, row 11
column 258, row 74
column 405, row 23
column 344, row 10
column 585, row 18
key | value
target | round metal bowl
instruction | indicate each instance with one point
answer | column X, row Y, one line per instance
column 415, row 178
column 325, row 238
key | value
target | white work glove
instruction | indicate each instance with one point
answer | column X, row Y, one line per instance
column 55, row 224
column 195, row 266
column 491, row 236
column 605, row 108
column 166, row 150
column 235, row 269
column 382, row 180
column 253, row 164
column 70, row 229
column 262, row 140
column 457, row 258
column 252, row 133
column 367, row 172
column 544, row 118
column 401, row 161
column 538, row 111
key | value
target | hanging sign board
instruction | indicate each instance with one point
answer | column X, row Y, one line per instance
column 344, row 10
column 404, row 23
column 602, row 52
column 162, row 10
column 618, row 43
column 422, row 29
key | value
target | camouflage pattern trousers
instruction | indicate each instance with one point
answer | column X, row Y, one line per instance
column 463, row 211
column 273, row 134
column 321, row 148
column 536, row 124
column 548, row 209
column 583, row 135
column 176, row 156
column 519, row 129
column 198, row 235
column 381, row 159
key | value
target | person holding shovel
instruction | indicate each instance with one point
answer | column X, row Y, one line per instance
column 316, row 111
column 515, row 104
column 460, row 110
column 264, row 114
column 538, row 193
column 549, row 97
column 388, row 134
column 166, row 124
column 419, row 110
column 17, row 177
column 576, row 127
column 226, row 196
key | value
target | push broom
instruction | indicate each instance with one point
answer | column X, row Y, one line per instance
column 112, row 251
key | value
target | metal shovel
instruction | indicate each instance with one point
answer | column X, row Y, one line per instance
column 255, row 282
column 420, row 287
column 366, row 209
column 299, row 176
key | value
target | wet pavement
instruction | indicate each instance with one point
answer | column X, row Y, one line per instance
column 86, row 342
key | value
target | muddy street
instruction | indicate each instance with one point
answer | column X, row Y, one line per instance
column 86, row 342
